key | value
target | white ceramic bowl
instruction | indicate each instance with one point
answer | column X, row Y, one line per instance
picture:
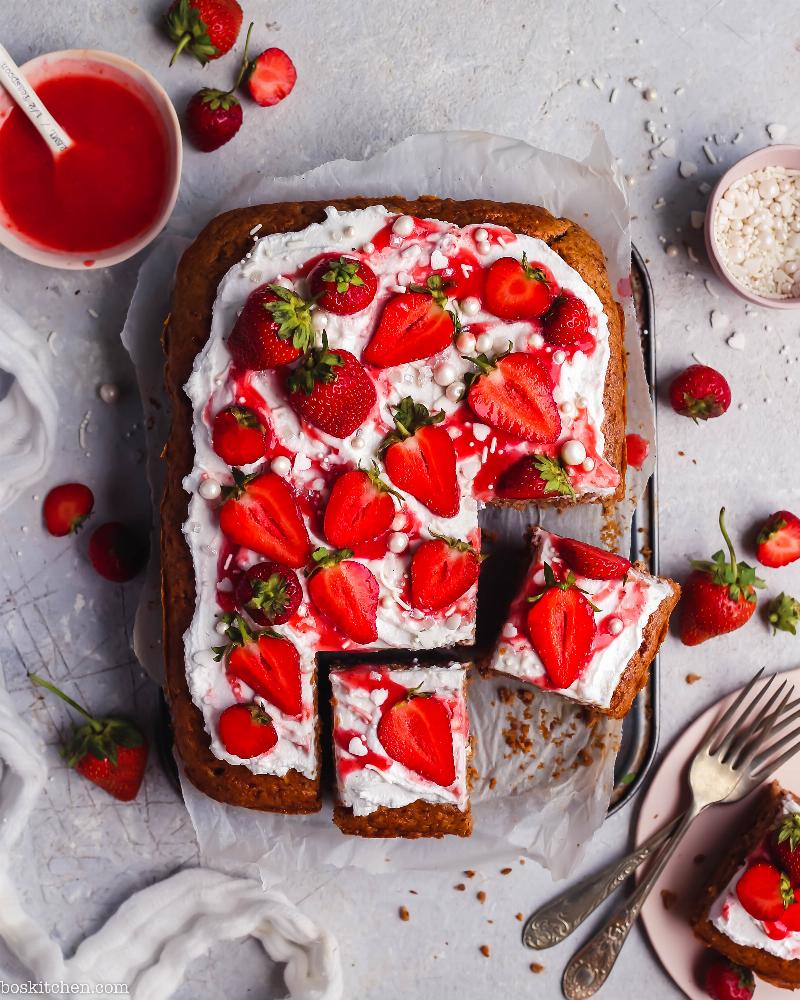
column 770, row 156
column 123, row 70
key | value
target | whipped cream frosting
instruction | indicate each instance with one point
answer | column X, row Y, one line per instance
column 315, row 457
column 364, row 786
column 624, row 610
column 730, row 918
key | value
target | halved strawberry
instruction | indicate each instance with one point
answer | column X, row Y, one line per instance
column 562, row 628
column 416, row 733
column 271, row 77
column 764, row 891
column 246, row 731
column 273, row 329
column 420, row 458
column 261, row 514
column 360, row 508
column 534, row 476
column 779, row 540
column 332, row 390
column 346, row 592
column 516, row 289
column 567, row 322
column 266, row 662
column 413, row 325
column 514, row 392
column 588, row 560
column 66, row 507
column 343, row 285
column 270, row 593
column 442, row 570
column 238, row 436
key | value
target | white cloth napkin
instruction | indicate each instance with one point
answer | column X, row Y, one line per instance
column 155, row 934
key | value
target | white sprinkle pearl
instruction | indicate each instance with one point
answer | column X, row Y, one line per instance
column 484, row 342
column 319, row 320
column 403, row 225
column 108, row 392
column 465, row 342
column 573, row 452
column 559, row 357
column 357, row 442
column 398, row 542
column 481, row 235
column 567, row 408
column 281, row 465
column 221, row 628
column 471, row 305
column 356, row 747
column 587, row 464
column 536, row 340
column 399, row 522
column 349, row 232
column 210, row 489
column 484, row 247
column 453, row 622
column 615, row 626
column 444, row 374
column 455, row 391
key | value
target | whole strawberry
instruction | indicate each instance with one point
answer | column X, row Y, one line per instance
column 66, row 508
column 110, row 752
column 207, row 29
column 213, row 117
column 786, row 847
column 719, row 595
column 700, row 392
column 726, row 981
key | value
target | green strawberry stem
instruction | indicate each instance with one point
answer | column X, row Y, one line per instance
column 244, row 64
column 728, row 542
column 41, row 682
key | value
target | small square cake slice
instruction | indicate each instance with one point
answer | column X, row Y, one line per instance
column 586, row 623
column 748, row 911
column 401, row 750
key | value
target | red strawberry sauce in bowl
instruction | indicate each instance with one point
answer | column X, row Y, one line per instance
column 113, row 190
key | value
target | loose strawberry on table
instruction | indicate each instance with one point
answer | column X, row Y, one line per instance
column 238, row 436
column 109, row 751
column 514, row 392
column 246, row 731
column 266, row 661
column 206, row 29
column 66, row 508
column 779, row 540
column 413, row 326
column 261, row 513
column 271, row 77
column 561, row 627
column 567, row 324
column 700, row 392
column 343, row 285
column 360, row 508
column 116, row 552
column 346, row 592
column 724, row 980
column 588, row 560
column 331, row 390
column 442, row 570
column 719, row 596
column 534, row 476
column 269, row 593
column 517, row 290
column 415, row 732
column 213, row 117
column 420, row 458
column 273, row 329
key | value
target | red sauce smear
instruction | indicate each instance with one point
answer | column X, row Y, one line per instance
column 103, row 191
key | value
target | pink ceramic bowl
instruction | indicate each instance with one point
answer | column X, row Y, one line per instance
column 770, row 156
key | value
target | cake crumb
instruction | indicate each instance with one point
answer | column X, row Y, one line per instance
column 492, row 783
column 403, row 913
column 536, row 967
column 469, row 873
column 481, row 896
column 519, row 917
column 460, row 887
column 505, row 871
column 668, row 898
column 692, row 678
column 484, row 950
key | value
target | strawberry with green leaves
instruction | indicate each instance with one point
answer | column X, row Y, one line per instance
column 109, row 751
column 213, row 117
column 273, row 329
column 269, row 593
column 413, row 326
column 442, row 570
column 724, row 980
column 783, row 614
column 343, row 285
column 346, row 592
column 206, row 29
column 561, row 627
column 66, row 508
column 700, row 392
column 238, row 436
column 786, row 846
column 765, row 892
column 533, row 477
column 719, row 596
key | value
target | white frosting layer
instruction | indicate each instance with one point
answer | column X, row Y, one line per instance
column 631, row 604
column 356, row 710
column 730, row 918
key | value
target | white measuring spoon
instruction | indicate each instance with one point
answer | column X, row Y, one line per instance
column 12, row 78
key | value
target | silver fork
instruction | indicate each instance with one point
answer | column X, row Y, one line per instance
column 732, row 761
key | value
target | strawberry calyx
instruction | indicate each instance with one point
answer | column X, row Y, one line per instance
column 380, row 484
column 99, row 737
column 484, row 364
column 770, row 529
column 786, row 890
column 789, row 830
column 701, row 407
column 738, row 578
column 435, row 286
column 458, row 544
column 186, row 27
column 554, row 473
column 292, row 314
column 783, row 614
column 259, row 716
column 238, row 633
column 240, row 481
column 216, row 99
column 408, row 417
column 270, row 596
column 318, row 366
column 343, row 273
column 245, row 417
column 552, row 582
column 535, row 273
column 327, row 558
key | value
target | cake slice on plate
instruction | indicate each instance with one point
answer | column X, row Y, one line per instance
column 585, row 623
column 749, row 911
column 401, row 750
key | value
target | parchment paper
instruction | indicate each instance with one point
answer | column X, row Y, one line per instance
column 543, row 777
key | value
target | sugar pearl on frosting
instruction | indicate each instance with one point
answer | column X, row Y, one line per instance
column 481, row 235
column 471, row 305
column 349, row 232
column 573, row 452
column 403, row 225
column 221, row 628
column 281, row 465
column 484, row 342
column 357, row 442
column 559, row 357
column 615, row 626
column 536, row 340
column 108, row 392
column 567, row 408
column 319, row 320
column 453, row 622
column 455, row 391
column 587, row 464
column 444, row 373
column 210, row 489
column 398, row 542
column 356, row 747
column 484, row 247
column 399, row 522
column 465, row 341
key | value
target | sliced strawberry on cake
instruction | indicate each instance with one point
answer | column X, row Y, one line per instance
column 442, row 570
column 261, row 513
column 517, row 290
column 346, row 593
column 343, row 285
column 514, row 392
column 535, row 477
column 246, row 731
column 415, row 732
column 413, row 326
column 360, row 508
column 273, row 329
column 269, row 593
column 238, row 436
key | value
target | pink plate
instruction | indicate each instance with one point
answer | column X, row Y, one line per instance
column 669, row 932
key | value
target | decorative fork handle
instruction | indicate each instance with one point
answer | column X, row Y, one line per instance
column 557, row 919
column 589, row 968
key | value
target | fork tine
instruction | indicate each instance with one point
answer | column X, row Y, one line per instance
column 748, row 743
column 718, row 727
column 744, row 719
column 760, row 759
column 771, row 766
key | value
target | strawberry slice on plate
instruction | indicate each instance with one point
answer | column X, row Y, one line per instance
column 238, row 436
column 269, row 593
column 561, row 628
column 331, row 390
column 360, row 508
column 346, row 592
column 260, row 513
column 764, row 891
column 271, row 76
column 273, row 329
column 246, row 731
column 343, row 285
column 266, row 661
column 416, row 733
column 779, row 540
column 534, row 476
column 66, row 507
column 588, row 560
column 420, row 458
column 517, row 290
column 442, row 570
column 413, row 326
column 514, row 392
